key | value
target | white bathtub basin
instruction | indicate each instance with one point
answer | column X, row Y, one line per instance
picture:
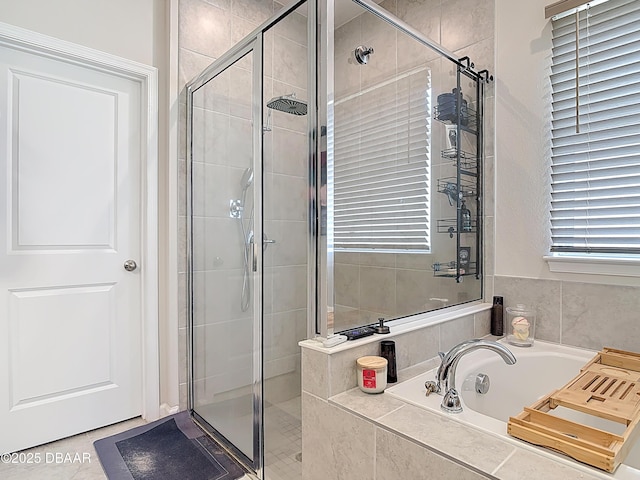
column 538, row 371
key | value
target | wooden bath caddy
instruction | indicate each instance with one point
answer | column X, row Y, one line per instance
column 607, row 387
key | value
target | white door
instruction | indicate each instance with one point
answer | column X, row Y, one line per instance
column 70, row 315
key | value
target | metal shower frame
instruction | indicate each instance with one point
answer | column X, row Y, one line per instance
column 320, row 93
column 252, row 44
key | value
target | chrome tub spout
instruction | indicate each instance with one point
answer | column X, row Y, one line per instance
column 446, row 376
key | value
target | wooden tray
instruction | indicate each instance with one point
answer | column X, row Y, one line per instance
column 606, row 387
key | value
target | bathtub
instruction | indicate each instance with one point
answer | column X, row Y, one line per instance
column 539, row 370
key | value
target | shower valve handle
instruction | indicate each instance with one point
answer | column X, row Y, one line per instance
column 265, row 240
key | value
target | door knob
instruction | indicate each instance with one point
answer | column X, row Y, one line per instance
column 130, row 265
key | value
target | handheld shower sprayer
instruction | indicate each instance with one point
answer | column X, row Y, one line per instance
column 246, row 181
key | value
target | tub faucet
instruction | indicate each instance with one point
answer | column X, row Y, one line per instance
column 446, row 376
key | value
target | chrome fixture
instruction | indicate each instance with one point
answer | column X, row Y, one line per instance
column 446, row 376
column 236, row 210
column 482, row 383
column 362, row 54
column 265, row 240
column 287, row 104
column 236, row 207
column 130, row 265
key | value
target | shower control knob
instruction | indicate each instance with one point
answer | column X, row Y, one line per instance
column 130, row 265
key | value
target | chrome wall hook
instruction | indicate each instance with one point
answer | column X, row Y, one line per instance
column 362, row 54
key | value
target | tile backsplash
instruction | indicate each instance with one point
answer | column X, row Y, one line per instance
column 580, row 314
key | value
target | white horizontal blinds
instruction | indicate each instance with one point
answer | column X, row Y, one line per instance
column 381, row 167
column 596, row 173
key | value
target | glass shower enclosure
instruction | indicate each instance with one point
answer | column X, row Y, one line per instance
column 319, row 115
column 249, row 238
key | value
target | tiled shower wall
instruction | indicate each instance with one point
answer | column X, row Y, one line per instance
column 369, row 285
column 206, row 30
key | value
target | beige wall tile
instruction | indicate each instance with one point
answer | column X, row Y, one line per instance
column 369, row 405
column 190, row 65
column 290, row 62
column 203, row 28
column 596, row 316
column 456, row 331
column 256, row 11
column 347, row 285
column 397, row 457
column 525, row 465
column 336, row 444
column 291, row 242
column 291, row 152
column 544, row 295
column 294, row 28
column 411, row 291
column 315, row 373
column 482, row 324
column 289, row 288
column 465, row 22
column 378, row 289
column 283, row 331
column 451, row 438
column 417, row 346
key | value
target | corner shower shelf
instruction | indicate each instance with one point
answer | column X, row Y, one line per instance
column 607, row 387
column 449, row 269
column 449, row 186
column 450, row 226
column 468, row 162
column 462, row 134
column 444, row 112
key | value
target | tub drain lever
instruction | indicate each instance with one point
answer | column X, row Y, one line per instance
column 431, row 386
column 482, row 383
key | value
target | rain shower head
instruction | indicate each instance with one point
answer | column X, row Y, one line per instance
column 288, row 104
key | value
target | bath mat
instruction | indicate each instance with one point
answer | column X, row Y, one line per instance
column 170, row 448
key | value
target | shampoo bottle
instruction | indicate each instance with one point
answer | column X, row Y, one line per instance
column 497, row 327
column 465, row 216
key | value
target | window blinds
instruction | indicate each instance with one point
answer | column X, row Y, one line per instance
column 595, row 187
column 381, row 167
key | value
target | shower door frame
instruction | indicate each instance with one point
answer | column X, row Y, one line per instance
column 253, row 48
column 253, row 44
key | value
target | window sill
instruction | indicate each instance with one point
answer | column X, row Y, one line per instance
column 594, row 265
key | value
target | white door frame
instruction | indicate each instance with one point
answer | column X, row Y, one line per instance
column 147, row 77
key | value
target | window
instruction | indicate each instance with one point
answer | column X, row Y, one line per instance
column 381, row 167
column 595, row 204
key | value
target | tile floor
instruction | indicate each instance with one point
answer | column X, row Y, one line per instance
column 55, row 464
column 283, row 440
column 74, row 458
column 282, row 432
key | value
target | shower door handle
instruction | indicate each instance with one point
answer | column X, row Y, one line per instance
column 254, row 262
column 254, row 249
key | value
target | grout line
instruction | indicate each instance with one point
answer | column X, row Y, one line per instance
column 389, row 413
column 561, row 311
column 501, row 464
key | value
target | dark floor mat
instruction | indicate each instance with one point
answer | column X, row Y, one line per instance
column 170, row 448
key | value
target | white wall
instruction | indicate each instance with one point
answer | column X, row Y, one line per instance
column 137, row 30
column 523, row 37
column 523, row 58
column 122, row 27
